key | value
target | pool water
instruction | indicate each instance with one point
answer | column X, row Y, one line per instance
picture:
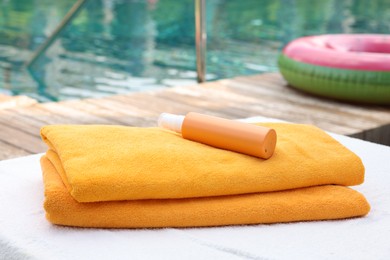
column 120, row 46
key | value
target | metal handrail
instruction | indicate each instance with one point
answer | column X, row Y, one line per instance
column 200, row 39
column 67, row 19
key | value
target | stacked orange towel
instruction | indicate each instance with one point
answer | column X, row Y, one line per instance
column 128, row 177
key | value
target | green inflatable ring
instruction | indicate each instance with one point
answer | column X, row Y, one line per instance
column 355, row 85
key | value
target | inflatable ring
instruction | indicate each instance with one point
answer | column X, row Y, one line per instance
column 351, row 67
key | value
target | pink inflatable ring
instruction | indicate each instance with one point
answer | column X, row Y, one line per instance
column 352, row 67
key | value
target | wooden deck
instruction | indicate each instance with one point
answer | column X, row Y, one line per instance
column 261, row 95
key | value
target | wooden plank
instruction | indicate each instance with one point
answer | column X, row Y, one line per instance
column 56, row 113
column 71, row 115
column 95, row 110
column 22, row 119
column 43, row 115
column 128, row 114
column 8, row 151
column 249, row 105
column 371, row 112
column 178, row 101
column 206, row 99
column 316, row 110
column 20, row 115
column 7, row 102
column 20, row 125
column 22, row 140
column 152, row 103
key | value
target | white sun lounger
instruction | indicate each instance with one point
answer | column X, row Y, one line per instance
column 25, row 233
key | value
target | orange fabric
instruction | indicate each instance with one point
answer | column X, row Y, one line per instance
column 114, row 176
column 313, row 203
column 105, row 163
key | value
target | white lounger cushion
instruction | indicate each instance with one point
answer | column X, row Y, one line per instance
column 25, row 233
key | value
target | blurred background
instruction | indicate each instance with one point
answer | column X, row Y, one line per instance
column 119, row 46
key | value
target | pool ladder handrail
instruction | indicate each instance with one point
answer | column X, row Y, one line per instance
column 76, row 8
column 200, row 39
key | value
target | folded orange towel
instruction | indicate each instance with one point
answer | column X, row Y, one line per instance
column 313, row 203
column 113, row 176
column 105, row 163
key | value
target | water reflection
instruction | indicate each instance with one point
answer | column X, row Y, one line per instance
column 117, row 46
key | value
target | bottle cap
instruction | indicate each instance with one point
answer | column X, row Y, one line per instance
column 170, row 122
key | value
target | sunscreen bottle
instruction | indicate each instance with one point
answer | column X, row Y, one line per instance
column 254, row 140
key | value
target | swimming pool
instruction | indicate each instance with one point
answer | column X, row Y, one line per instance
column 119, row 46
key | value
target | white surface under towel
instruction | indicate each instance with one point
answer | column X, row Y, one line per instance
column 25, row 233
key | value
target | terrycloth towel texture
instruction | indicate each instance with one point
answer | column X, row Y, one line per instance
column 113, row 176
